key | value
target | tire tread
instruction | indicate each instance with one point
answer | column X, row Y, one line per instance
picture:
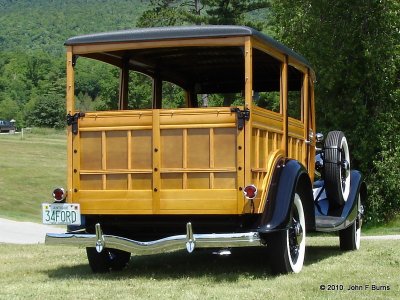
column 331, row 171
column 346, row 238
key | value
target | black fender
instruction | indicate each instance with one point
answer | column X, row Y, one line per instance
column 339, row 218
column 289, row 174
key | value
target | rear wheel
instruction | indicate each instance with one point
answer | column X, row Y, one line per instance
column 288, row 247
column 337, row 168
column 108, row 259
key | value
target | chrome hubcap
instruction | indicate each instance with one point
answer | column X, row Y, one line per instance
column 295, row 239
column 345, row 172
column 299, row 232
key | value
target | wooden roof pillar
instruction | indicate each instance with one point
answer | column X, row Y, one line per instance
column 123, row 85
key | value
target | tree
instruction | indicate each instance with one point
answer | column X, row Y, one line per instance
column 46, row 111
column 353, row 46
column 162, row 13
column 233, row 12
column 9, row 110
column 217, row 12
column 13, row 83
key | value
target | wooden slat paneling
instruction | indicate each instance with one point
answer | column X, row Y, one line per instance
column 119, row 155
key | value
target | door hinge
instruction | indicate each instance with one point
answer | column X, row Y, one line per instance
column 242, row 115
column 73, row 120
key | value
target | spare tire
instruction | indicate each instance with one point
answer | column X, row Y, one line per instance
column 336, row 168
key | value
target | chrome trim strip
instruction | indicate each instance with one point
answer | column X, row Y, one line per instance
column 189, row 241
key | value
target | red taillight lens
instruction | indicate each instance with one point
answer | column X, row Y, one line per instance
column 250, row 191
column 59, row 194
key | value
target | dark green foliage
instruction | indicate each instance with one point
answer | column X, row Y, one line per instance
column 43, row 25
column 173, row 96
column 216, row 12
column 9, row 110
column 269, row 100
column 46, row 111
column 140, row 91
column 353, row 46
column 233, row 12
column 162, row 13
column 384, row 191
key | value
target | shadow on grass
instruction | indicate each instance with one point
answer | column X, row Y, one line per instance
column 252, row 263
column 315, row 254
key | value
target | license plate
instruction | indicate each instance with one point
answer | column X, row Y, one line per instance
column 61, row 214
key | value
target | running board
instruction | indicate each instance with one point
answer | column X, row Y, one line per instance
column 327, row 220
column 329, row 223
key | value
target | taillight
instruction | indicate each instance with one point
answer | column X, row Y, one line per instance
column 59, row 194
column 250, row 191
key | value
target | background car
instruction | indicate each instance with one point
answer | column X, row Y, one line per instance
column 6, row 126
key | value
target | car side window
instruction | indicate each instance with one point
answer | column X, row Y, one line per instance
column 295, row 92
column 266, row 81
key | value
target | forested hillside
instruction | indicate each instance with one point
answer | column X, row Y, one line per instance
column 43, row 25
column 32, row 52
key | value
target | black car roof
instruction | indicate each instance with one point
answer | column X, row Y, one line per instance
column 181, row 32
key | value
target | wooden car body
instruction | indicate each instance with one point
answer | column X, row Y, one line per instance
column 151, row 173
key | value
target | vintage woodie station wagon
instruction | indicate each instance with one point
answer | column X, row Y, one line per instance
column 236, row 163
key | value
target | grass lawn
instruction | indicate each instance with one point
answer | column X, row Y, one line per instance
column 392, row 227
column 30, row 169
column 43, row 272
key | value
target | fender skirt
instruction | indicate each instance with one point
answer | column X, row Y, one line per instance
column 288, row 175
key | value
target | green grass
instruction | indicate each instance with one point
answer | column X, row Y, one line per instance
column 40, row 272
column 392, row 227
column 30, row 169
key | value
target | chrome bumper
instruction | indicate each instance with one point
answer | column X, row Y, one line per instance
column 189, row 241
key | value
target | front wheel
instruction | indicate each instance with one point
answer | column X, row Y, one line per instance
column 350, row 238
column 288, row 246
